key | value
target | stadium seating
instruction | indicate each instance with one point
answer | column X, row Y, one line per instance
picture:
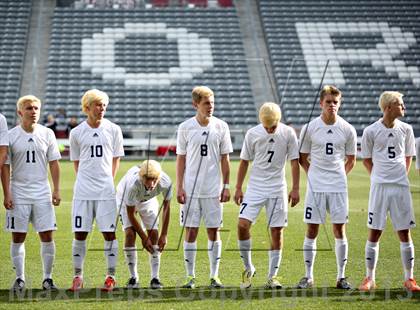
column 372, row 46
column 148, row 61
column 14, row 22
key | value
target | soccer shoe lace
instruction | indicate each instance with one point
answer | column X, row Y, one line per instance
column 77, row 284
column 305, row 283
column 132, row 283
column 273, row 283
column 48, row 284
column 343, row 284
column 155, row 284
column 247, row 276
column 18, row 285
column 109, row 284
column 367, row 284
column 216, row 283
column 411, row 285
column 189, row 283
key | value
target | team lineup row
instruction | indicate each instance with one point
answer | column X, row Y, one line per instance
column 326, row 151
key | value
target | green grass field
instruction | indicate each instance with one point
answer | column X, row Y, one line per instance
column 389, row 272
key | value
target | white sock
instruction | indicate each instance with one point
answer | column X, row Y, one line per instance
column 111, row 254
column 17, row 253
column 309, row 254
column 371, row 254
column 214, row 252
column 79, row 253
column 47, row 255
column 190, row 251
column 130, row 254
column 407, row 258
column 341, row 252
column 245, row 252
column 274, row 257
column 154, row 260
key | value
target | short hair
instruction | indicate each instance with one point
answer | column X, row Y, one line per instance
column 26, row 99
column 270, row 114
column 93, row 95
column 150, row 169
column 329, row 90
column 388, row 98
column 200, row 92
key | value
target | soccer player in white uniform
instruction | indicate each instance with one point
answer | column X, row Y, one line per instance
column 203, row 147
column 268, row 146
column 27, row 192
column 327, row 154
column 96, row 146
column 4, row 140
column 387, row 149
column 137, row 194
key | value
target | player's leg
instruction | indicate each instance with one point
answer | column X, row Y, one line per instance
column 407, row 258
column 17, row 220
column 213, row 218
column 130, row 250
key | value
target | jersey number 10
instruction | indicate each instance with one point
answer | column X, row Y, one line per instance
column 96, row 151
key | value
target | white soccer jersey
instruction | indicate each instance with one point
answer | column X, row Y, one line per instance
column 388, row 148
column 328, row 145
column 418, row 153
column 203, row 147
column 4, row 135
column 29, row 155
column 269, row 153
column 95, row 149
column 135, row 192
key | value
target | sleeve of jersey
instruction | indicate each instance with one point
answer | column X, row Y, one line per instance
column 410, row 142
column 53, row 152
column 367, row 143
column 74, row 146
column 181, row 143
column 292, row 146
column 246, row 152
column 4, row 134
column 118, row 143
column 418, row 153
column 351, row 144
column 226, row 146
column 305, row 140
column 130, row 197
column 167, row 187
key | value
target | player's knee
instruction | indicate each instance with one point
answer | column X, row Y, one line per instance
column 244, row 226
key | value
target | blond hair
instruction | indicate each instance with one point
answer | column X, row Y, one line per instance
column 200, row 92
column 150, row 169
column 270, row 114
column 26, row 99
column 93, row 95
column 388, row 98
column 329, row 90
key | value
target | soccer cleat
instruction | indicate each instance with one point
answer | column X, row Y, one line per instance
column 216, row 283
column 367, row 284
column 189, row 283
column 155, row 284
column 411, row 285
column 77, row 284
column 273, row 283
column 109, row 284
column 18, row 285
column 247, row 276
column 132, row 283
column 305, row 283
column 343, row 284
column 48, row 285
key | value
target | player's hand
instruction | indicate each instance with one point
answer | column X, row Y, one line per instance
column 225, row 196
column 56, row 199
column 147, row 244
column 239, row 196
column 162, row 242
column 8, row 202
column 181, row 196
column 294, row 197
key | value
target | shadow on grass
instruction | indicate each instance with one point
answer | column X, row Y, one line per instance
column 176, row 294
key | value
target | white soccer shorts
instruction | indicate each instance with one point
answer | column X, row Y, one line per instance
column 148, row 211
column 276, row 209
column 318, row 204
column 40, row 214
column 393, row 198
column 195, row 209
column 85, row 211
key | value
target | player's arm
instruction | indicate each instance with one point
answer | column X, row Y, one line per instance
column 243, row 168
column 294, row 197
column 3, row 155
column 55, row 176
column 368, row 163
column 165, row 219
column 180, row 173
column 147, row 243
column 408, row 160
column 5, row 181
column 76, row 165
column 304, row 161
column 350, row 162
column 225, row 166
column 115, row 165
